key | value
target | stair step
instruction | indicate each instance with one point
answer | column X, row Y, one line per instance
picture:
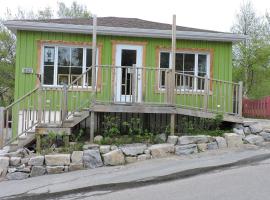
column 48, row 125
column 77, row 115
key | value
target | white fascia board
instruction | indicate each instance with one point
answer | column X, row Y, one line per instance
column 120, row 31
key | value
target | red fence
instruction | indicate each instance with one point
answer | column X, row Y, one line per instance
column 257, row 108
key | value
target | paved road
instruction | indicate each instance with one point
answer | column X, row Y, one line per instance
column 243, row 183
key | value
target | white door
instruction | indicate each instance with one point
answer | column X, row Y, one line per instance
column 126, row 82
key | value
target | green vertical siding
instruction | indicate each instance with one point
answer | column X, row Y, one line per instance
column 27, row 56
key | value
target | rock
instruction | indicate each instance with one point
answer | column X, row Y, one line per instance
column 161, row 150
column 202, row 147
column 185, row 149
column 104, row 149
column 17, row 176
column 267, row 130
column 238, row 126
column 57, row 159
column 4, row 162
column 66, row 168
column 74, row 167
column 212, row 146
column 77, row 157
column 26, row 169
column 11, row 169
column 25, row 160
column 239, row 132
column 130, row 159
column 14, row 161
column 55, row 169
column 147, row 151
column 233, row 140
column 221, row 142
column 113, row 147
column 115, row 157
column 265, row 135
column 133, row 149
column 36, row 161
column 98, row 139
column 92, row 158
column 172, row 139
column 254, row 139
column 248, row 123
column 37, row 171
column 161, row 138
column 3, row 172
column 247, row 130
column 90, row 146
column 255, row 128
column 144, row 157
column 196, row 139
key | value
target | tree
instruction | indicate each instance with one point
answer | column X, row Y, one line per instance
column 251, row 57
column 74, row 11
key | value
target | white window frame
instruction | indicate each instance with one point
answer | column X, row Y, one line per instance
column 56, row 46
column 196, row 53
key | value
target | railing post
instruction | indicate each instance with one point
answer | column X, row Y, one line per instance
column 240, row 96
column 94, row 48
column 206, row 92
column 39, row 104
column 2, row 122
column 65, row 104
column 134, row 88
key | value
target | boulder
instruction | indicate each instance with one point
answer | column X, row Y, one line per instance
column 147, row 151
column 17, row 176
column 254, row 139
column 25, row 160
column 233, row 140
column 92, row 158
column 133, row 149
column 247, row 130
column 113, row 147
column 4, row 162
column 161, row 150
column 130, row 159
column 172, row 139
column 238, row 126
column 98, row 139
column 14, row 161
column 239, row 132
column 74, row 167
column 57, row 159
column 265, row 135
column 23, row 168
column 66, row 168
column 36, row 161
column 202, row 147
column 37, row 171
column 255, row 128
column 196, row 139
column 267, row 130
column 115, row 157
column 160, row 138
column 3, row 172
column 90, row 146
column 144, row 157
column 77, row 157
column 104, row 149
column 221, row 142
column 212, row 146
column 55, row 169
column 185, row 149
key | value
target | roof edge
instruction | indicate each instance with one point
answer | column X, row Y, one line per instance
column 120, row 31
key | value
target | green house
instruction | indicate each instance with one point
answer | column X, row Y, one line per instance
column 61, row 81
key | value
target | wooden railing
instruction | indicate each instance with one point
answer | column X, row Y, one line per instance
column 117, row 85
column 259, row 108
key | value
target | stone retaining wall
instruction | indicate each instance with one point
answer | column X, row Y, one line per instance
column 23, row 164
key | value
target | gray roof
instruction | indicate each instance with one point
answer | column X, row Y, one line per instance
column 121, row 22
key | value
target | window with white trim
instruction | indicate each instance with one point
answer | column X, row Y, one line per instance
column 187, row 65
column 63, row 64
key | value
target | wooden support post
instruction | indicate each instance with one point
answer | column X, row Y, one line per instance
column 94, row 49
column 172, row 124
column 92, row 126
column 206, row 92
column 38, row 143
column 2, row 122
column 66, row 140
column 39, row 113
column 240, row 98
column 173, row 60
column 64, row 103
column 134, row 88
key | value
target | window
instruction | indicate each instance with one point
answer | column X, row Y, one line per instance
column 63, row 64
column 187, row 65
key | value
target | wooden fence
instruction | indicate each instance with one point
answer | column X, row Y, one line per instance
column 257, row 108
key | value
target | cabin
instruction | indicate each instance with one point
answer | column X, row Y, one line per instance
column 72, row 71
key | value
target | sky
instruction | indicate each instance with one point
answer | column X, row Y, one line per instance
column 206, row 14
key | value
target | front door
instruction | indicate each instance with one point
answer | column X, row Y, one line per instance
column 128, row 73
